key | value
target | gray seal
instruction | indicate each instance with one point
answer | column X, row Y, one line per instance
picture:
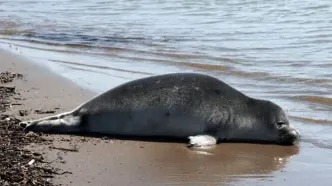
column 191, row 106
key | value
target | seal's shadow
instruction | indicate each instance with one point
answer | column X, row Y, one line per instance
column 156, row 138
column 126, row 137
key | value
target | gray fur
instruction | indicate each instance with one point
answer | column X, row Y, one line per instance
column 175, row 105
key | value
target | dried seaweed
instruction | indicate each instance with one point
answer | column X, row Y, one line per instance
column 16, row 165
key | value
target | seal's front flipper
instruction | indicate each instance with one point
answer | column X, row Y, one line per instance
column 202, row 141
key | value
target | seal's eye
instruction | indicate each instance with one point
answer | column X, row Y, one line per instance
column 280, row 124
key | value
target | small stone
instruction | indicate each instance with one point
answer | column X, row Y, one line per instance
column 31, row 162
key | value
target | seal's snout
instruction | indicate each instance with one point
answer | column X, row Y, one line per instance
column 294, row 136
column 289, row 136
column 295, row 133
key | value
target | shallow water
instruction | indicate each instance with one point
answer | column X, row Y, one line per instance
column 279, row 51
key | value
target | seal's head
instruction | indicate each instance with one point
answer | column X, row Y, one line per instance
column 262, row 121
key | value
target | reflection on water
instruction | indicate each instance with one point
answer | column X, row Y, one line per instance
column 158, row 163
column 227, row 162
column 276, row 50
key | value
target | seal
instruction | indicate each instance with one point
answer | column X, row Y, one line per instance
column 197, row 107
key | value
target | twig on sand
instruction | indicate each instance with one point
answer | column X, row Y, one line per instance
column 50, row 171
column 44, row 112
column 64, row 149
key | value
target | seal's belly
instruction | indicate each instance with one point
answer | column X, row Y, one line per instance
column 153, row 122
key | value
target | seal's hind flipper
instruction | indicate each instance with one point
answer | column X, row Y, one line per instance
column 202, row 141
column 62, row 123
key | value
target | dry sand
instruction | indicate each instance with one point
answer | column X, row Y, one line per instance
column 97, row 161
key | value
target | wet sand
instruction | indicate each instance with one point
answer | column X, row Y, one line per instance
column 102, row 161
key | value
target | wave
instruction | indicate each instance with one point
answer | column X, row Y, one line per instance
column 95, row 71
column 213, row 63
column 311, row 120
column 315, row 99
column 101, row 67
column 108, row 49
column 77, row 38
column 317, row 143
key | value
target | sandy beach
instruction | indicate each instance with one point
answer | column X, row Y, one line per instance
column 104, row 161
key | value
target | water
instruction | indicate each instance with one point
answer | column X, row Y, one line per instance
column 278, row 50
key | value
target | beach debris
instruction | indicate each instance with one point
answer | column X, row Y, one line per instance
column 15, row 161
column 31, row 134
column 31, row 162
column 6, row 89
column 16, row 104
column 5, row 93
column 51, row 171
column 6, row 77
column 105, row 138
column 17, row 164
column 23, row 112
column 36, row 154
column 44, row 112
column 64, row 149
